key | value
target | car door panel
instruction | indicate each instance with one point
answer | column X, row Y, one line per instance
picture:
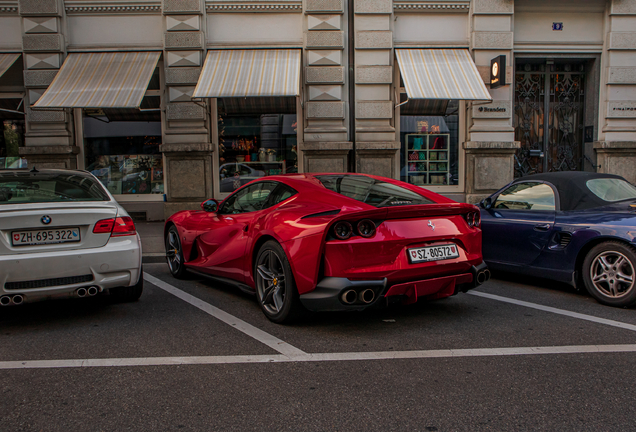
column 222, row 246
column 222, row 249
column 515, row 236
column 519, row 224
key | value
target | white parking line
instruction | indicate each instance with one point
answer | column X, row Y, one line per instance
column 258, row 334
column 325, row 357
column 556, row 311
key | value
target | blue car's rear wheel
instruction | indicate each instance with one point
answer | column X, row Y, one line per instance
column 275, row 287
column 609, row 272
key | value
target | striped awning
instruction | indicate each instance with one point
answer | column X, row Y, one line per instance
column 244, row 73
column 6, row 61
column 441, row 74
column 101, row 80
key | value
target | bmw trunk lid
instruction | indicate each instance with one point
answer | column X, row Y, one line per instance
column 55, row 226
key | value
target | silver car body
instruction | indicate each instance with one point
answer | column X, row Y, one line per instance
column 38, row 272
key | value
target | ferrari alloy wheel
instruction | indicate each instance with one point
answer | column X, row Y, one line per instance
column 609, row 272
column 275, row 287
column 174, row 253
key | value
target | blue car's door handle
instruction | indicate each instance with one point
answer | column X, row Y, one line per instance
column 543, row 227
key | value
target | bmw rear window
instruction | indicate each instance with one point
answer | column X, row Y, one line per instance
column 28, row 187
column 371, row 191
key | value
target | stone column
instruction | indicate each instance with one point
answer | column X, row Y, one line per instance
column 326, row 143
column 49, row 141
column 187, row 146
column 616, row 148
column 491, row 146
column 377, row 151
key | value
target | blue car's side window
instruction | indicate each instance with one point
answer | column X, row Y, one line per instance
column 527, row 196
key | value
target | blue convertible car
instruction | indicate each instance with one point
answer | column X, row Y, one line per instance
column 575, row 227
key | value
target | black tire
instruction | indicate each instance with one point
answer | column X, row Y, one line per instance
column 174, row 253
column 129, row 293
column 609, row 274
column 278, row 299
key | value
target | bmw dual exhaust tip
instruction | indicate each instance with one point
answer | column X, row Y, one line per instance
column 366, row 296
column 16, row 299
column 87, row 292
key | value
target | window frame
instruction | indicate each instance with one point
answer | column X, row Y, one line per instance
column 244, row 188
column 557, row 199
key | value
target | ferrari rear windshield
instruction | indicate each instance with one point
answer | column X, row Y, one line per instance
column 371, row 191
column 42, row 187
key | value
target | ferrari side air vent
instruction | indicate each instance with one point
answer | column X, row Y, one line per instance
column 322, row 214
column 565, row 239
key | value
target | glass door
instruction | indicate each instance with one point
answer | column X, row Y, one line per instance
column 549, row 115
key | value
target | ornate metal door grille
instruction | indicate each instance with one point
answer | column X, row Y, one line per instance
column 555, row 144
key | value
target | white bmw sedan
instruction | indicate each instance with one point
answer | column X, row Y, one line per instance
column 63, row 235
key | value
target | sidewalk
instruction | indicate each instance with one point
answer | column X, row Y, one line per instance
column 151, row 234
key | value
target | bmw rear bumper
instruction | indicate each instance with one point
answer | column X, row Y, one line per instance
column 332, row 293
column 38, row 276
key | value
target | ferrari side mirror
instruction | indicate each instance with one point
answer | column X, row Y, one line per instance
column 210, row 205
column 486, row 203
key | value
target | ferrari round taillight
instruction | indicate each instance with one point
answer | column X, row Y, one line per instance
column 470, row 219
column 366, row 228
column 477, row 222
column 343, row 230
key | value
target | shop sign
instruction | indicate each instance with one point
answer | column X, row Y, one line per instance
column 498, row 72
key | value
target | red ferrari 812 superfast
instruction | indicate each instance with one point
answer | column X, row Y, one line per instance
column 328, row 242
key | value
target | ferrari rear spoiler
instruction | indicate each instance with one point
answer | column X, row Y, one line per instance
column 410, row 211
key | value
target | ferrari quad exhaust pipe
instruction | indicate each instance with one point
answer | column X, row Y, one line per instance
column 92, row 291
column 483, row 276
column 17, row 299
column 349, row 297
column 367, row 296
column 5, row 301
column 81, row 292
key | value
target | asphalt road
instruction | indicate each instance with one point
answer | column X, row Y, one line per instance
column 192, row 355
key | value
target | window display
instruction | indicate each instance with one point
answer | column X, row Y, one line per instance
column 124, row 155
column 429, row 137
column 257, row 138
column 12, row 134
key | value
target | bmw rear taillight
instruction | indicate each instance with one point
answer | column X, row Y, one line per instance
column 121, row 226
column 473, row 219
column 104, row 226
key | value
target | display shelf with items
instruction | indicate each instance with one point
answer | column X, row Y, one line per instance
column 427, row 159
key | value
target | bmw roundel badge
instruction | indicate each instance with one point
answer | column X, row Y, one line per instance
column 46, row 220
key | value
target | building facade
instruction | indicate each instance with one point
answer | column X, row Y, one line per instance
column 172, row 102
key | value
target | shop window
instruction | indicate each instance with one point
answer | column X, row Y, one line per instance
column 122, row 148
column 429, row 134
column 12, row 136
column 257, row 138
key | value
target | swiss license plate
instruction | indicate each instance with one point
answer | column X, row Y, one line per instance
column 40, row 237
column 433, row 253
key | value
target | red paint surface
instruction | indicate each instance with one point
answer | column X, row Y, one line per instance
column 225, row 244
